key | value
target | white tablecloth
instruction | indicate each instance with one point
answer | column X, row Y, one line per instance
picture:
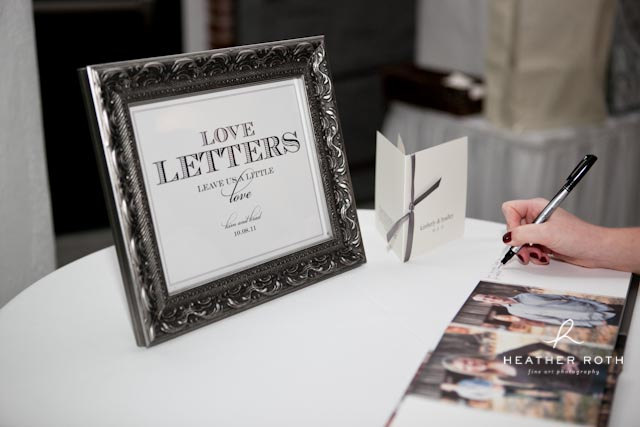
column 505, row 165
column 338, row 353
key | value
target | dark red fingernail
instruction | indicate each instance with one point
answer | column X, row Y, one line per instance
column 520, row 258
column 544, row 259
column 507, row 237
column 533, row 255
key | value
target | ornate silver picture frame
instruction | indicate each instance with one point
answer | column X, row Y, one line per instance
column 226, row 178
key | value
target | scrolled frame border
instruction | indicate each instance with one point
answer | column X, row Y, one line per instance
column 109, row 88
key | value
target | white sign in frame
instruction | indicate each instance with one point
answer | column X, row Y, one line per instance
column 217, row 206
column 226, row 178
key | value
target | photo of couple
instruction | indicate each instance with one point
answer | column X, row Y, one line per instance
column 594, row 319
column 510, row 349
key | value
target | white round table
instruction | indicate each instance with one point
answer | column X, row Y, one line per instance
column 338, row 353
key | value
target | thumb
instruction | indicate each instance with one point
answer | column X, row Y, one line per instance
column 529, row 233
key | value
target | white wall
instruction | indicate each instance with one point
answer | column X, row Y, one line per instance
column 26, row 230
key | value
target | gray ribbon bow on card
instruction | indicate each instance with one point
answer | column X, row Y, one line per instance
column 413, row 202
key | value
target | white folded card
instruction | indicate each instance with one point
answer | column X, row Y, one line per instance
column 421, row 197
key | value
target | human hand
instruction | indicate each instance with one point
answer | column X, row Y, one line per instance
column 564, row 236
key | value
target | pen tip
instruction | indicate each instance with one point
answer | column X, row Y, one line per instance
column 507, row 257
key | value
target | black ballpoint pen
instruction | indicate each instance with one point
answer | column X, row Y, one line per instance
column 574, row 178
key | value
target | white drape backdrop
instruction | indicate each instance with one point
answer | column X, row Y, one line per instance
column 26, row 231
column 451, row 35
column 505, row 165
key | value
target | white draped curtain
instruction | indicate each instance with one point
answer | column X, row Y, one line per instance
column 505, row 165
column 26, row 231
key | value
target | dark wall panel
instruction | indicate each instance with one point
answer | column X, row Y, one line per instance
column 71, row 35
column 362, row 36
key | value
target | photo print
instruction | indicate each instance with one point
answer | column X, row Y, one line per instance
column 586, row 318
column 515, row 373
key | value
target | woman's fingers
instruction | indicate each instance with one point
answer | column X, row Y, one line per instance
column 544, row 249
column 523, row 256
column 514, row 212
column 534, row 254
column 527, row 234
column 517, row 211
column 537, row 256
